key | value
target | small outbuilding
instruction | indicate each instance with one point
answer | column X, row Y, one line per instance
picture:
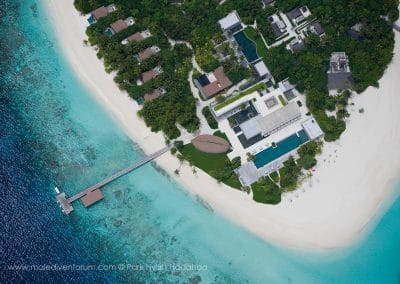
column 211, row 144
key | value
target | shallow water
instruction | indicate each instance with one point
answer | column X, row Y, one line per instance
column 54, row 133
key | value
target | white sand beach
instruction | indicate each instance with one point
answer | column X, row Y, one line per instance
column 353, row 184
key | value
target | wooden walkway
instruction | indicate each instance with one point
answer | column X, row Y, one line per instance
column 396, row 27
column 65, row 203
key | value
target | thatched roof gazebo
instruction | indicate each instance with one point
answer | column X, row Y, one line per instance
column 211, row 144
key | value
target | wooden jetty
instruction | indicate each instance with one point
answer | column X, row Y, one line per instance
column 396, row 27
column 92, row 194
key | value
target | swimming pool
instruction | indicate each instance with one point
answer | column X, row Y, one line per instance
column 282, row 147
column 109, row 32
column 249, row 48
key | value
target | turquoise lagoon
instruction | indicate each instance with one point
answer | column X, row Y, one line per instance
column 146, row 218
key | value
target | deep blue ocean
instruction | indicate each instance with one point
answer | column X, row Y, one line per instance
column 53, row 133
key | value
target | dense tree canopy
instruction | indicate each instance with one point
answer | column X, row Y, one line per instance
column 196, row 22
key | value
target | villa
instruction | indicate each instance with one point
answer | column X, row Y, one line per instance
column 278, row 26
column 289, row 91
column 231, row 22
column 137, row 37
column 155, row 94
column 101, row 12
column 316, row 28
column 212, row 83
column 272, row 158
column 147, row 53
column 312, row 129
column 149, row 75
column 262, row 70
column 271, row 123
column 297, row 15
column 339, row 74
column 355, row 32
column 296, row 45
column 119, row 26
column 267, row 3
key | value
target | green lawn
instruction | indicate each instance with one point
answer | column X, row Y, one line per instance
column 209, row 117
column 258, row 87
column 282, row 100
column 212, row 164
column 265, row 191
column 220, row 134
column 274, row 176
column 255, row 36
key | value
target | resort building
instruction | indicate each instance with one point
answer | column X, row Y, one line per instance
column 289, row 91
column 271, row 159
column 271, row 123
column 119, row 26
column 155, row 94
column 278, row 25
column 316, row 28
column 212, row 83
column 231, row 22
column 101, row 13
column 339, row 74
column 211, row 144
column 149, row 75
column 137, row 37
column 297, row 15
column 147, row 53
column 355, row 32
column 296, row 45
column 267, row 3
column 262, row 70
column 313, row 130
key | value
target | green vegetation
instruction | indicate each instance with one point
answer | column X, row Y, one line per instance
column 254, row 35
column 369, row 54
column 265, row 28
column 266, row 191
column 235, row 72
column 221, row 135
column 274, row 176
column 209, row 117
column 282, row 100
column 269, row 189
column 196, row 22
column 205, row 58
column 216, row 165
column 258, row 87
column 289, row 175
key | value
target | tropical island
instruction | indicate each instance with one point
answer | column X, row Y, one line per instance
column 337, row 201
column 270, row 79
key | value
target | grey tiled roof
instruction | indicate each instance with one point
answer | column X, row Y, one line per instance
column 293, row 14
column 340, row 81
column 318, row 28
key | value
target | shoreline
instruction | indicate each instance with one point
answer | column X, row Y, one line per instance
column 350, row 189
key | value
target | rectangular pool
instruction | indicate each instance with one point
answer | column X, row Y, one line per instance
column 282, row 147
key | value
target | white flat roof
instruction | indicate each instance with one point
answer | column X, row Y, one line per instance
column 279, row 117
column 251, row 128
column 211, row 77
column 268, row 123
column 230, row 20
column 261, row 68
column 312, row 129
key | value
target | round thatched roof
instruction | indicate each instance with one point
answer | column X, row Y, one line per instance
column 210, row 144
